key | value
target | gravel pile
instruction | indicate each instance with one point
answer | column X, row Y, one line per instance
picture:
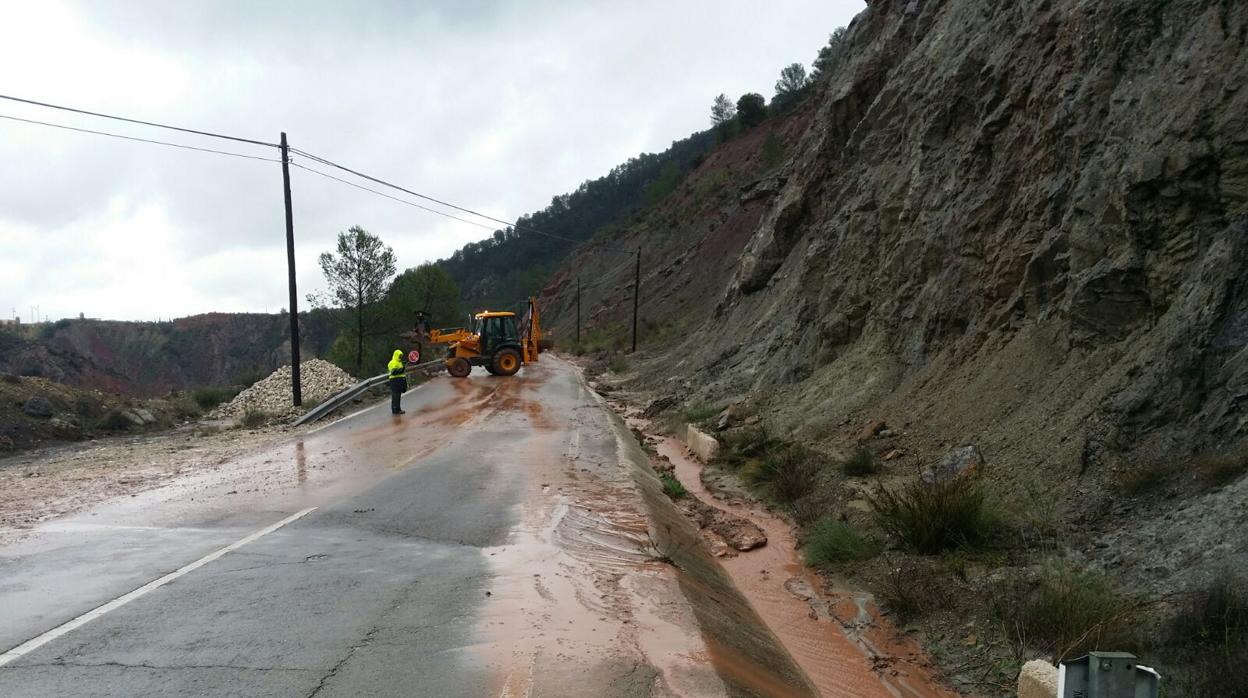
column 319, row 379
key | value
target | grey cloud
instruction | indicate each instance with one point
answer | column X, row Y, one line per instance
column 495, row 105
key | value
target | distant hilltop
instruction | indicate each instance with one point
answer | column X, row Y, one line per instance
column 153, row 358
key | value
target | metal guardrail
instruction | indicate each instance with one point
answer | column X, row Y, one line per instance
column 342, row 398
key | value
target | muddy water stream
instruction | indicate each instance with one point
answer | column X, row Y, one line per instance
column 836, row 636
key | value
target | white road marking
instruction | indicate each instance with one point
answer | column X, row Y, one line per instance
column 35, row 643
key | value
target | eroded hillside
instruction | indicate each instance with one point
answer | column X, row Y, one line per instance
column 1018, row 226
column 153, row 358
column 1023, row 226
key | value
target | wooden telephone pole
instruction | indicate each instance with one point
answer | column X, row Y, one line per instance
column 636, row 290
column 296, row 392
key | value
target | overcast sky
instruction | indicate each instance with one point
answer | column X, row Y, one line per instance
column 492, row 105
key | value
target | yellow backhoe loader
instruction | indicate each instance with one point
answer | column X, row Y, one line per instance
column 494, row 342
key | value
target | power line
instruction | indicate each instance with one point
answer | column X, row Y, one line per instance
column 316, row 158
column 404, row 201
column 370, row 178
column 137, row 121
column 133, row 138
column 392, row 198
column 512, row 224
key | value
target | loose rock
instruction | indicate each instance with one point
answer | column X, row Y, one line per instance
column 659, row 406
column 319, row 380
column 956, row 463
column 871, row 429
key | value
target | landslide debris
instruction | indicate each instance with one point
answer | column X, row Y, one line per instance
column 37, row 411
column 319, row 380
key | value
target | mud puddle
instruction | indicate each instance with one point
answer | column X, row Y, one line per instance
column 836, row 636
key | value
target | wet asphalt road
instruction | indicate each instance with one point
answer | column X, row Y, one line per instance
column 499, row 539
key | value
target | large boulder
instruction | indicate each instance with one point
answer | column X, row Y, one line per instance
column 134, row 417
column 703, row 445
column 738, row 533
column 1038, row 679
column 959, row 462
column 659, row 406
column 730, row 416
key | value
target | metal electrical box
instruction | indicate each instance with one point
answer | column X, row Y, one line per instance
column 1107, row 675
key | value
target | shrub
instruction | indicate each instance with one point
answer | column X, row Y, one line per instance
column 255, row 418
column 772, row 152
column 1208, row 637
column 185, row 408
column 49, row 330
column 113, row 420
column 208, row 398
column 1066, row 612
column 751, row 110
column 740, row 447
column 1222, row 674
column 933, row 518
column 618, row 364
column 861, row 462
column 599, row 339
column 1148, row 476
column 786, row 473
column 834, row 541
column 1216, row 615
column 699, row 413
column 1213, row 469
column 1222, row 469
column 663, row 184
column 672, row 487
column 904, row 592
column 87, row 406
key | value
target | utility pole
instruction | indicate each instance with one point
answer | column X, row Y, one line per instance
column 636, row 291
column 295, row 390
column 578, row 311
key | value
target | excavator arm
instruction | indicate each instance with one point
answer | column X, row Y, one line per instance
column 455, row 334
column 531, row 334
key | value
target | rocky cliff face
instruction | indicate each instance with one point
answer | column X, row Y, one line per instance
column 1021, row 225
column 152, row 358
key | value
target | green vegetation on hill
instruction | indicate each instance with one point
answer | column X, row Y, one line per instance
column 370, row 329
column 501, row 270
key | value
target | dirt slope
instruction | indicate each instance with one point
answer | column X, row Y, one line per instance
column 1022, row 226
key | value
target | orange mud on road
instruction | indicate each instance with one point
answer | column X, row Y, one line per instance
column 581, row 593
column 505, row 537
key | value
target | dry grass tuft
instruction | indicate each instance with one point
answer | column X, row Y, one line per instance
column 934, row 518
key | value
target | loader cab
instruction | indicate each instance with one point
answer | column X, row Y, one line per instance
column 497, row 330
